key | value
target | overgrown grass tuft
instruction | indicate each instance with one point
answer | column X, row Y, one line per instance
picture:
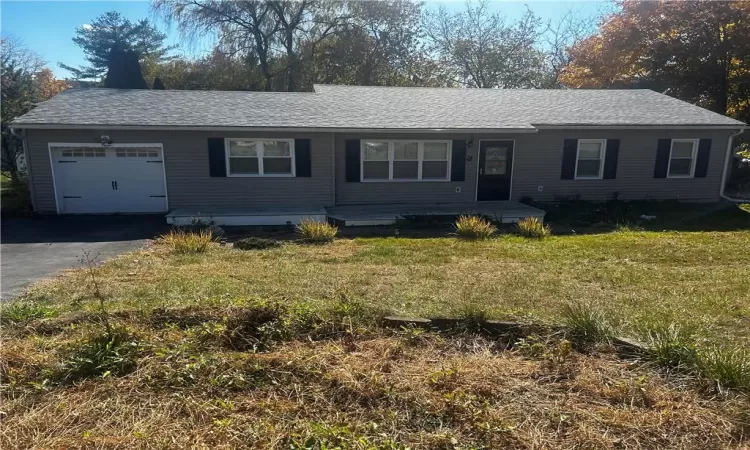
column 728, row 366
column 474, row 228
column 316, row 231
column 20, row 313
column 673, row 347
column 587, row 322
column 533, row 227
column 100, row 355
column 187, row 242
column 256, row 243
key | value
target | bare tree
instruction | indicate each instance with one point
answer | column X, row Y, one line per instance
column 269, row 32
column 477, row 48
column 567, row 31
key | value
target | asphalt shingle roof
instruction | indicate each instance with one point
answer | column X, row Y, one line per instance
column 359, row 107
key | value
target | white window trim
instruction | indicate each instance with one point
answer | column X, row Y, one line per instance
column 260, row 157
column 420, row 159
column 603, row 143
column 693, row 157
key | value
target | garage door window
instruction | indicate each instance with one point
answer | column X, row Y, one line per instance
column 84, row 153
column 137, row 153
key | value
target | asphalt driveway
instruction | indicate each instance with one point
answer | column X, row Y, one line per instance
column 35, row 248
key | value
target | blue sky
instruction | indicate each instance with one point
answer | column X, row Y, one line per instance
column 47, row 27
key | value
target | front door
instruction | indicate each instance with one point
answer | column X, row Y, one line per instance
column 495, row 168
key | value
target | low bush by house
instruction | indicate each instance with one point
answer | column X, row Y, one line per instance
column 474, row 228
column 316, row 231
column 256, row 243
column 533, row 227
column 185, row 242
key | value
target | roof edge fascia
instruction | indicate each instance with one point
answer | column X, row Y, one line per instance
column 48, row 126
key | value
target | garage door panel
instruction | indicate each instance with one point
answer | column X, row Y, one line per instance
column 109, row 180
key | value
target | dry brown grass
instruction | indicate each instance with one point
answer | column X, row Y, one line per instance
column 639, row 278
column 368, row 390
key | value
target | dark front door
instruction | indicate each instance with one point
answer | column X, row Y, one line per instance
column 495, row 168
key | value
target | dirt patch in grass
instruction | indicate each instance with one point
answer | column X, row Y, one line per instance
column 368, row 389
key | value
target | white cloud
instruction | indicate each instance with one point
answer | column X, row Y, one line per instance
column 86, row 26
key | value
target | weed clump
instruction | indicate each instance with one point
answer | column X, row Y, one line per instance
column 187, row 242
column 256, row 328
column 100, row 355
column 533, row 227
column 474, row 228
column 673, row 347
column 587, row 323
column 21, row 313
column 727, row 366
column 256, row 243
column 316, row 231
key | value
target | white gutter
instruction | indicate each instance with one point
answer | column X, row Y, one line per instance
column 45, row 126
column 728, row 158
column 638, row 127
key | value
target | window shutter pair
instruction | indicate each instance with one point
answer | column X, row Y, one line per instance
column 570, row 152
column 664, row 149
column 353, row 160
column 217, row 165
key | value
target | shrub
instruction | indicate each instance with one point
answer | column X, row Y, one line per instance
column 727, row 366
column 316, row 231
column 533, row 227
column 587, row 323
column 256, row 243
column 673, row 347
column 186, row 241
column 474, row 228
column 102, row 354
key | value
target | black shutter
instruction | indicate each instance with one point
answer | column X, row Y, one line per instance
column 662, row 158
column 610, row 158
column 458, row 161
column 352, row 161
column 217, row 163
column 570, row 151
column 302, row 158
column 701, row 163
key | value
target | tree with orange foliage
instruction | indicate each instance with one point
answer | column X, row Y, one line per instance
column 48, row 86
column 698, row 51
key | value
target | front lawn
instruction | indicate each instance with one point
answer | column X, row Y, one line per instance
column 280, row 346
column 698, row 279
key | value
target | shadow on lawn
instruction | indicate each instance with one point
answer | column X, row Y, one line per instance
column 569, row 217
column 579, row 217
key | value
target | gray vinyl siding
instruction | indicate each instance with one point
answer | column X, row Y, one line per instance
column 189, row 184
column 538, row 160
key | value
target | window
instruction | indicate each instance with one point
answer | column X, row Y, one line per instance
column 405, row 160
column 90, row 152
column 682, row 158
column 590, row 158
column 137, row 152
column 260, row 157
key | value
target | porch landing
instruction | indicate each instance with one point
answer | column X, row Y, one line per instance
column 369, row 215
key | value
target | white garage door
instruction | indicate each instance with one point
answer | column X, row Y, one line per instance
column 108, row 180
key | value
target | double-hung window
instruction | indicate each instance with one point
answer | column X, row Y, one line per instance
column 405, row 160
column 590, row 158
column 260, row 157
column 682, row 158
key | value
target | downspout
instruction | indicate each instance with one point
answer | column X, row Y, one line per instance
column 726, row 166
column 27, row 161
